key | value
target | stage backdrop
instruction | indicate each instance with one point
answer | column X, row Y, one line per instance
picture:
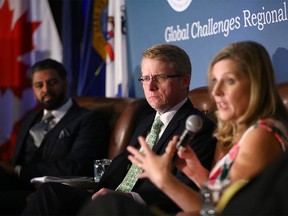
column 202, row 28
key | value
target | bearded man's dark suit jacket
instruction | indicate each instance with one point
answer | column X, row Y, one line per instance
column 55, row 198
column 68, row 149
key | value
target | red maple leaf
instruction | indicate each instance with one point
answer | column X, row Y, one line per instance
column 14, row 42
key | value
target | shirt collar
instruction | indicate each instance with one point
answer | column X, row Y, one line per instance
column 168, row 115
column 61, row 111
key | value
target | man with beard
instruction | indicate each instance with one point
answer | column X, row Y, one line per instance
column 73, row 138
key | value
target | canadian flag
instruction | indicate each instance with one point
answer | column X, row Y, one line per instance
column 27, row 34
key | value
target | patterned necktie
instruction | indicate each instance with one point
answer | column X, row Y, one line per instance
column 39, row 130
column 131, row 177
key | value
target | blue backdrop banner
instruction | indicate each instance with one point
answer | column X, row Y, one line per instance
column 202, row 28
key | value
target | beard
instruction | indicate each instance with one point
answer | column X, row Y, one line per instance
column 55, row 102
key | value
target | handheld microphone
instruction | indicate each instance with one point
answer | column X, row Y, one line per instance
column 193, row 124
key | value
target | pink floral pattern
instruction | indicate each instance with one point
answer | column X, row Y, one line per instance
column 221, row 169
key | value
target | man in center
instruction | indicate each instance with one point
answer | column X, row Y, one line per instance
column 165, row 78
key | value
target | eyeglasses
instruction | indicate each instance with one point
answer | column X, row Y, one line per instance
column 159, row 78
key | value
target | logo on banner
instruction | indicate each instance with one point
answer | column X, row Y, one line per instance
column 179, row 5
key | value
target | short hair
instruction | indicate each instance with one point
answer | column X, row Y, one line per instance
column 171, row 54
column 253, row 62
column 48, row 64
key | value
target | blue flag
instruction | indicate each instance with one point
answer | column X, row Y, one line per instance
column 85, row 65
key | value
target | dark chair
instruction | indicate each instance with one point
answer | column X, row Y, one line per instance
column 124, row 112
column 283, row 91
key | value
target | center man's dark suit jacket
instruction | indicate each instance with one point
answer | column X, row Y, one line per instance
column 54, row 198
column 68, row 149
column 203, row 145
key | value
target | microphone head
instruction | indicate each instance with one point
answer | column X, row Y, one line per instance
column 194, row 123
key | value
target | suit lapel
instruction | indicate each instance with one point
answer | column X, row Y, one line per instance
column 53, row 135
column 24, row 132
column 175, row 126
column 70, row 115
column 142, row 129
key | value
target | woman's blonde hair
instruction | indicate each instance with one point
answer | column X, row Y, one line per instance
column 254, row 63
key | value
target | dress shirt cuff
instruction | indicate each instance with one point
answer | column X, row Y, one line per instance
column 137, row 198
column 17, row 170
